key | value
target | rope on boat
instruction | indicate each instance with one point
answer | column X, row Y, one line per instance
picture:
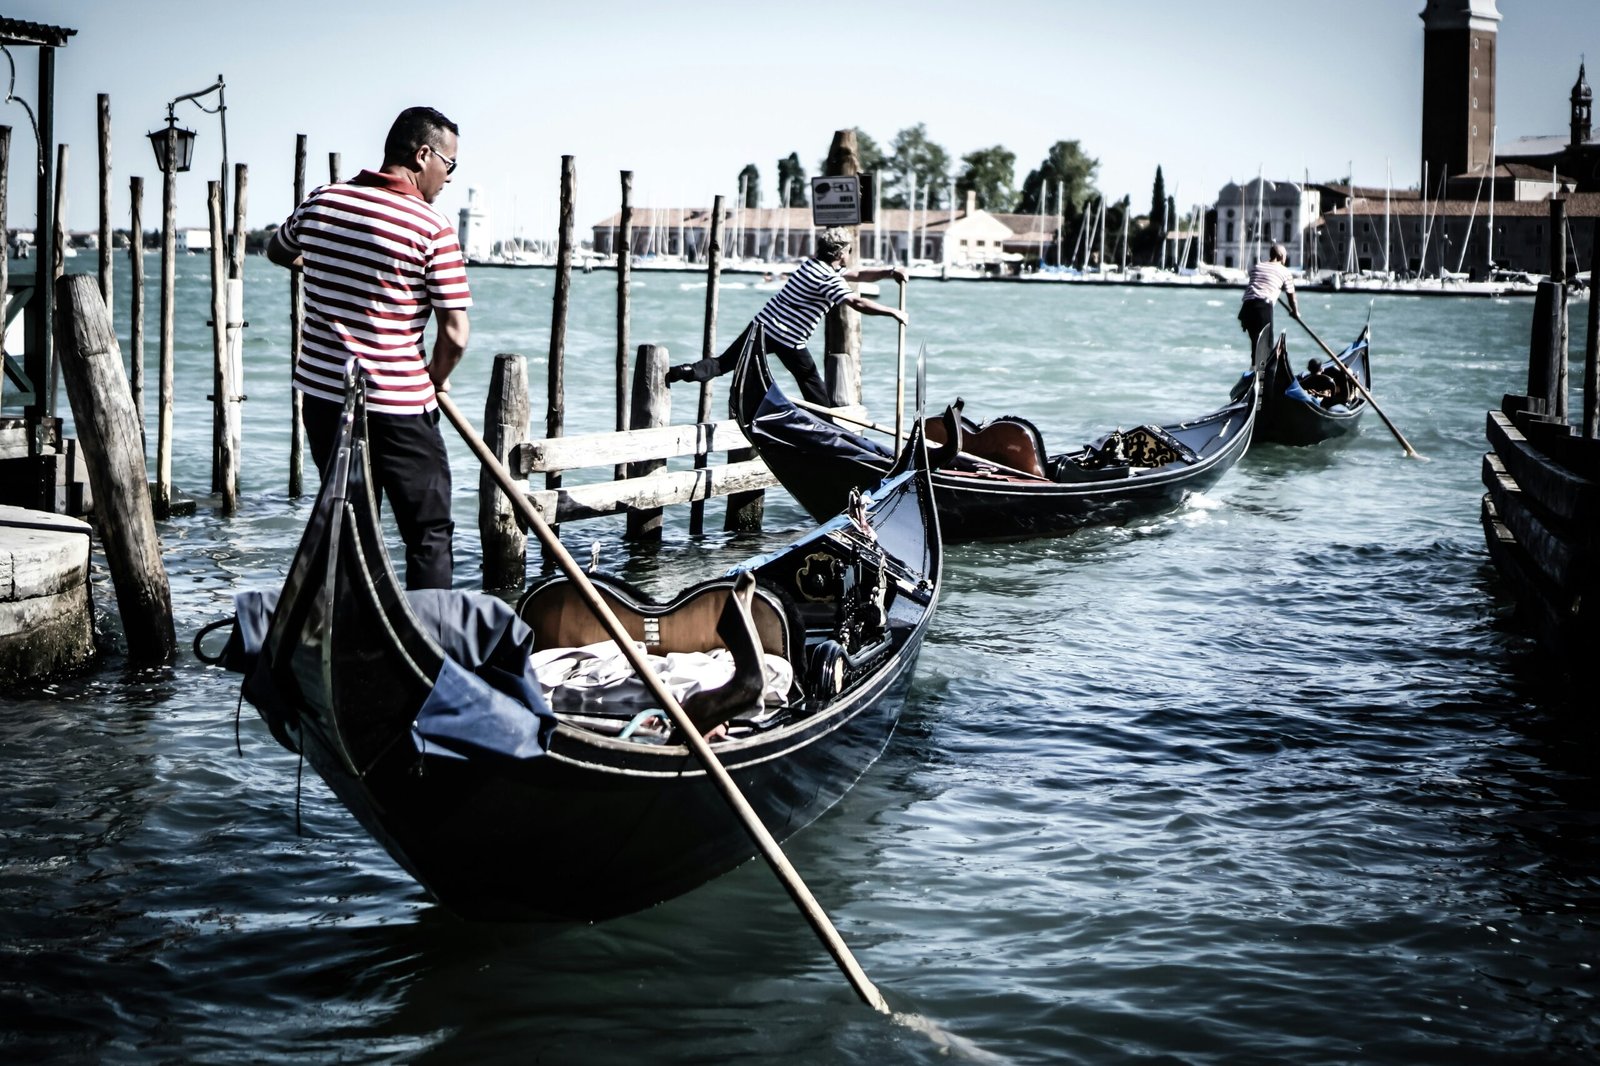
column 638, row 720
column 199, row 653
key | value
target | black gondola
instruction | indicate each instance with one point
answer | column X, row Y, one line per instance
column 1002, row 485
column 419, row 709
column 1320, row 404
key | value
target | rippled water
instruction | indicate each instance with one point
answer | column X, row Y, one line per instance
column 1269, row 779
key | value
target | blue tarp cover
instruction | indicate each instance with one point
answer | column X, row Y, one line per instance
column 485, row 703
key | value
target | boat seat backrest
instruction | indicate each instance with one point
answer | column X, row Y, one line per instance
column 1010, row 441
column 560, row 618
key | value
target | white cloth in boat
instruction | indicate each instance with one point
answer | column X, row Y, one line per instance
column 598, row 676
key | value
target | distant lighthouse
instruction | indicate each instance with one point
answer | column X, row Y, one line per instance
column 1458, row 51
column 474, row 231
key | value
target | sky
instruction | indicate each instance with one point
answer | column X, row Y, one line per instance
column 685, row 93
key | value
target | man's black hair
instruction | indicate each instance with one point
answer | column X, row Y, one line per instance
column 415, row 127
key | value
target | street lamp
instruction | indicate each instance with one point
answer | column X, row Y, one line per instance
column 176, row 144
column 180, row 153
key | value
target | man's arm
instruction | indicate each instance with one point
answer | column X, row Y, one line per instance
column 872, row 307
column 874, row 274
column 448, row 345
column 280, row 253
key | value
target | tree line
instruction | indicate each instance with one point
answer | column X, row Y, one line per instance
column 913, row 165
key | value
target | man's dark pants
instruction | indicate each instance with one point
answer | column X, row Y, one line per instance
column 411, row 468
column 798, row 360
column 1255, row 316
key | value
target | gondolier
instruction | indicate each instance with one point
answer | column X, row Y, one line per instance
column 1267, row 280
column 787, row 320
column 379, row 260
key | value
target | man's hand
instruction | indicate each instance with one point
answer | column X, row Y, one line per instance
column 899, row 276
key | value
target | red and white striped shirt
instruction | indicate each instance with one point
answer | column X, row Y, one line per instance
column 378, row 259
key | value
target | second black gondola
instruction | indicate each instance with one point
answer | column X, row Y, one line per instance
column 1320, row 404
column 1002, row 485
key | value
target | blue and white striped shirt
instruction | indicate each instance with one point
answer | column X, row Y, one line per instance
column 795, row 311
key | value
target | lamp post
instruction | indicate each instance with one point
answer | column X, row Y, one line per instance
column 174, row 148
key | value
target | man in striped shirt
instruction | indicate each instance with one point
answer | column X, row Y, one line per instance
column 1267, row 280
column 379, row 260
column 795, row 311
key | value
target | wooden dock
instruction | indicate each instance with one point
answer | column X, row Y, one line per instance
column 1541, row 513
column 46, row 609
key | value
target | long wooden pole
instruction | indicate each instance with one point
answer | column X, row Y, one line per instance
column 219, row 328
column 900, row 367
column 136, row 303
column 169, row 276
column 297, row 325
column 718, row 774
column 708, row 348
column 104, row 103
column 555, row 415
column 624, row 250
column 1411, row 453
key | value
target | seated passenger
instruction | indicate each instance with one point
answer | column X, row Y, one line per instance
column 1318, row 384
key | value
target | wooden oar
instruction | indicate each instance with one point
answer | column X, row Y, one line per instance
column 1411, row 453
column 900, row 365
column 714, row 769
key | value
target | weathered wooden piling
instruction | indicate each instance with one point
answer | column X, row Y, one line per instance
column 58, row 260
column 297, row 324
column 708, row 348
column 108, row 429
column 224, row 458
column 652, row 408
column 103, row 103
column 843, row 328
column 169, row 277
column 555, row 393
column 1547, row 354
column 746, row 510
column 506, row 413
column 136, row 302
column 333, row 168
column 624, row 250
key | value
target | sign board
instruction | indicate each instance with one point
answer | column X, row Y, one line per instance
column 836, row 201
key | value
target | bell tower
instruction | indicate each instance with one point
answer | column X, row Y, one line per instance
column 1458, row 52
column 1582, row 104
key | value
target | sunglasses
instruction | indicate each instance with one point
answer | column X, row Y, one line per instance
column 449, row 164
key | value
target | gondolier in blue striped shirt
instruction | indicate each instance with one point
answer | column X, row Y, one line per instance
column 787, row 320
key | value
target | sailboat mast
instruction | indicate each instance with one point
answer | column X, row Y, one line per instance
column 1494, row 133
column 1389, row 177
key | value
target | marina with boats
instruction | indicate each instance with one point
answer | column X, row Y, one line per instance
column 1102, row 687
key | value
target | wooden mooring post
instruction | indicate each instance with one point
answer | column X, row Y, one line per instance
column 225, row 425
column 1547, row 353
column 297, row 325
column 708, row 347
column 555, row 402
column 652, row 409
column 103, row 105
column 843, row 325
column 624, row 250
column 169, row 276
column 107, row 426
column 506, row 412
column 136, row 303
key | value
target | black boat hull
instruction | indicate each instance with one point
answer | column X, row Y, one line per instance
column 1290, row 416
column 595, row 826
column 983, row 506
